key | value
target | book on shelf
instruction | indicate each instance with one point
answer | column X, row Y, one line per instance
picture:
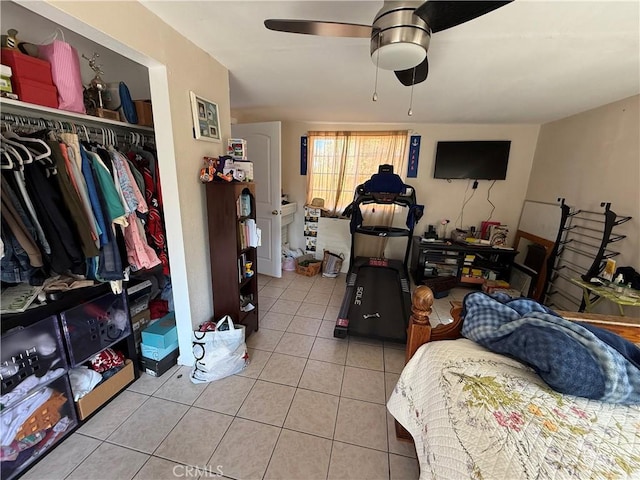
column 18, row 298
column 252, row 233
column 245, row 205
column 249, row 234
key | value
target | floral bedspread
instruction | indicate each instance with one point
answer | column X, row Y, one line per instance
column 477, row 414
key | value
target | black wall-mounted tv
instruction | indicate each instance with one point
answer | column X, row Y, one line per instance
column 477, row 160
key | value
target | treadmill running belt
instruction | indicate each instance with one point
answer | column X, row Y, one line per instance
column 378, row 305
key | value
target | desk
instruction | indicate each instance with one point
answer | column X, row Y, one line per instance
column 606, row 292
column 467, row 263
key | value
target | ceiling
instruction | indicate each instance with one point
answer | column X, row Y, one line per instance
column 527, row 62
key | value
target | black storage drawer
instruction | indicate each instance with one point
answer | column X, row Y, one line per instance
column 32, row 355
column 94, row 326
column 35, row 424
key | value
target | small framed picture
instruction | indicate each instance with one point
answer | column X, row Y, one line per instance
column 206, row 120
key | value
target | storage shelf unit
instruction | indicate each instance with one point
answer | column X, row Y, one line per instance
column 40, row 345
column 232, row 288
column 467, row 263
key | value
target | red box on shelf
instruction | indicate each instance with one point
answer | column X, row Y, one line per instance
column 39, row 93
column 25, row 67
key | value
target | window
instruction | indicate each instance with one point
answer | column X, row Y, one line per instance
column 340, row 161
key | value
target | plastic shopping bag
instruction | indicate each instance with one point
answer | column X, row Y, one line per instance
column 219, row 353
column 65, row 70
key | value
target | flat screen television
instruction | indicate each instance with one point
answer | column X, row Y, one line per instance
column 477, row 160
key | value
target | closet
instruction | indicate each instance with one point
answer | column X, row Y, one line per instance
column 66, row 327
column 43, row 347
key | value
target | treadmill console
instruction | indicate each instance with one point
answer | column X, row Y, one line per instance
column 378, row 262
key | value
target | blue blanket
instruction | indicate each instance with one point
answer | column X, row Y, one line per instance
column 570, row 358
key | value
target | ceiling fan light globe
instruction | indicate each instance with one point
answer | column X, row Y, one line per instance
column 399, row 56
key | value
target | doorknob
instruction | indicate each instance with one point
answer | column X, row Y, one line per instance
column 275, row 212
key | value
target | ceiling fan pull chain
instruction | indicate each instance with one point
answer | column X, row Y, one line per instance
column 375, row 88
column 413, row 83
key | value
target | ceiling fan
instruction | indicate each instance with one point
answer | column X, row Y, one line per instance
column 400, row 33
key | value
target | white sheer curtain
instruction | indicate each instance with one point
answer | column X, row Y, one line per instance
column 340, row 161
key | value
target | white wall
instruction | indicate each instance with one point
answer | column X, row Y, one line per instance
column 441, row 198
column 594, row 157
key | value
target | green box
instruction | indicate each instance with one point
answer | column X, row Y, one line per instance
column 5, row 79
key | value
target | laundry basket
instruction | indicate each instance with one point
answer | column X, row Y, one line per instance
column 307, row 265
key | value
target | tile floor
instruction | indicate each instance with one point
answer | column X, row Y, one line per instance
column 307, row 407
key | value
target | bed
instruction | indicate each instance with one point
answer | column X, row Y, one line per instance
column 472, row 413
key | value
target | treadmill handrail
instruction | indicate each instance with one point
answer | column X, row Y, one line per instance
column 383, row 231
column 368, row 199
column 405, row 198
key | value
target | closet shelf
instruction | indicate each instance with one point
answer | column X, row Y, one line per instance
column 17, row 107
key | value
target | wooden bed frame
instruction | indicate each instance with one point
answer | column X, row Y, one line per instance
column 420, row 330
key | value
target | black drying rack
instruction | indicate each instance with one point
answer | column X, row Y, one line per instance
column 583, row 245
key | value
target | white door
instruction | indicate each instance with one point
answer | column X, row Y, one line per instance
column 263, row 149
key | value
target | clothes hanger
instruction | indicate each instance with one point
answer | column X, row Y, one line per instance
column 86, row 132
column 39, row 153
column 17, row 147
column 9, row 162
column 18, row 163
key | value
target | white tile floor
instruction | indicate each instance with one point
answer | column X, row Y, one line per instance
column 308, row 406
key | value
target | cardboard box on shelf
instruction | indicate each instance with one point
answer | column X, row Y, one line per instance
column 5, row 78
column 139, row 322
column 144, row 112
column 39, row 93
column 139, row 296
column 241, row 170
column 107, row 389
column 25, row 67
column 237, row 148
column 246, row 167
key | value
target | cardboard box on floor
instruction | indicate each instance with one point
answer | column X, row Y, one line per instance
column 156, row 368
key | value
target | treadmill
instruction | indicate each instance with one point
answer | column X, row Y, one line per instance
column 377, row 301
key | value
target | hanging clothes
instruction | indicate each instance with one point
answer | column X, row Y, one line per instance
column 22, row 261
column 20, row 231
column 132, row 194
column 109, row 266
column 19, row 182
column 66, row 253
column 113, row 206
column 73, row 201
column 92, row 191
column 154, row 226
column 81, row 187
column 79, row 207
